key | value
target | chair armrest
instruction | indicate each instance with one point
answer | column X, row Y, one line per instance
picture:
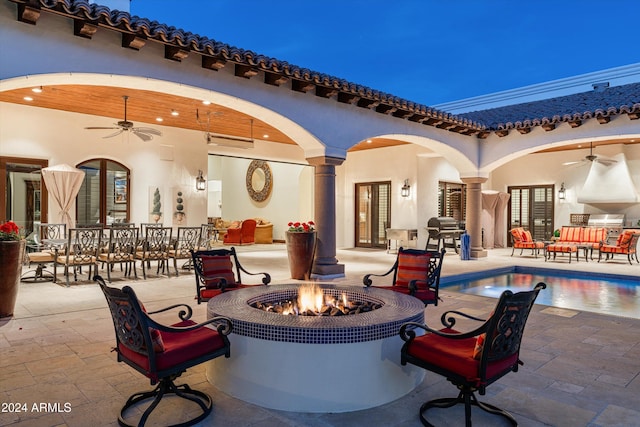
column 182, row 314
column 265, row 280
column 224, row 325
column 366, row 280
column 407, row 331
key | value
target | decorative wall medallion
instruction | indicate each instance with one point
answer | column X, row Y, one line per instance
column 259, row 180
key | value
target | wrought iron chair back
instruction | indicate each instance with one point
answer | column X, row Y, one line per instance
column 154, row 247
column 207, row 236
column 81, row 249
column 187, row 240
column 121, row 249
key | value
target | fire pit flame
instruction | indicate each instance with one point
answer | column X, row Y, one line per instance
column 313, row 301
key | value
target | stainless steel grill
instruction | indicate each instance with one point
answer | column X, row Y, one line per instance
column 612, row 222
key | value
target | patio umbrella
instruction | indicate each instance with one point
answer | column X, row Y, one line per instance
column 63, row 183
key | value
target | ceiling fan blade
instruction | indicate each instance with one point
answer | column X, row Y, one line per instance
column 142, row 136
column 101, row 127
column 572, row 163
column 147, row 130
column 111, row 135
column 605, row 161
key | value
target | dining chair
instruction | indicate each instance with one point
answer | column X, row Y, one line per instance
column 120, row 249
column 187, row 239
column 42, row 251
column 154, row 247
column 80, row 250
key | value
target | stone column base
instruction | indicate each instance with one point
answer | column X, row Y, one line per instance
column 478, row 253
column 327, row 271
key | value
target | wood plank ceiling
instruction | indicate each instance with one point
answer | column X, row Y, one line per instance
column 144, row 107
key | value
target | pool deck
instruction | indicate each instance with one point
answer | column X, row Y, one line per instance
column 580, row 369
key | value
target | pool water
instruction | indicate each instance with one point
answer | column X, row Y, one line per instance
column 604, row 294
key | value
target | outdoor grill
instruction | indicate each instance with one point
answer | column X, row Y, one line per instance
column 612, row 222
column 445, row 231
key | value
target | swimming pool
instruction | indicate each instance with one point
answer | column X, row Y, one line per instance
column 594, row 292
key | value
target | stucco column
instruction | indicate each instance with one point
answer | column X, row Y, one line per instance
column 325, row 265
column 474, row 215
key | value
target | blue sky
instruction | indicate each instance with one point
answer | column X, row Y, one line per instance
column 429, row 51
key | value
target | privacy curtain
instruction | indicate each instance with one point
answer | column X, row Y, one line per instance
column 63, row 183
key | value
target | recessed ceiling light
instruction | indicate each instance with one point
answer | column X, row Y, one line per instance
column 37, row 89
column 28, row 98
column 159, row 119
column 265, row 136
column 174, row 113
column 369, row 141
column 205, row 102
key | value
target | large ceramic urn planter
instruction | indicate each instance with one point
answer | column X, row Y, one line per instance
column 11, row 253
column 300, row 249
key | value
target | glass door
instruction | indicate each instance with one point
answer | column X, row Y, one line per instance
column 531, row 207
column 373, row 214
column 24, row 198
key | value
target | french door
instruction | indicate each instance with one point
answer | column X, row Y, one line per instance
column 531, row 207
column 373, row 214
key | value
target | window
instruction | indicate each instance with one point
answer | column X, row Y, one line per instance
column 531, row 207
column 104, row 197
column 452, row 199
column 373, row 214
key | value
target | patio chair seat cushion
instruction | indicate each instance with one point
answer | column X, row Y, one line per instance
column 39, row 257
column 421, row 293
column 178, row 347
column 529, row 245
column 76, row 260
column 563, row 248
column 119, row 257
column 208, row 293
column 572, row 234
column 456, row 355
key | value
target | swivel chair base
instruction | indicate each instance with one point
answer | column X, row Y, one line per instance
column 467, row 398
column 167, row 386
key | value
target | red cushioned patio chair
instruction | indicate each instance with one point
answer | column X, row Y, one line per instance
column 218, row 271
column 471, row 360
column 244, row 235
column 162, row 353
column 416, row 272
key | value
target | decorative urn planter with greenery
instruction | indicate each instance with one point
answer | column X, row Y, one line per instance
column 156, row 213
column 301, row 245
column 12, row 247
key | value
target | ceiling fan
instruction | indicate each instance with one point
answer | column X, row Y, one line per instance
column 145, row 134
column 592, row 158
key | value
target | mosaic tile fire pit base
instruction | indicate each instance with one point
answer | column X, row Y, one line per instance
column 315, row 364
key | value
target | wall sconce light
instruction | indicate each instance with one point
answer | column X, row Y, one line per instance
column 406, row 189
column 562, row 193
column 201, row 183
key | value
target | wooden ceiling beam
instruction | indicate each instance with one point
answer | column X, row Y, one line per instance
column 28, row 14
column 84, row 29
column 301, row 86
column 275, row 79
column 326, row 92
column 348, row 98
column 245, row 71
column 175, row 53
column 133, row 41
column 214, row 63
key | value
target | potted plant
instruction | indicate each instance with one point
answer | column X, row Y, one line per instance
column 156, row 213
column 12, row 246
column 301, row 245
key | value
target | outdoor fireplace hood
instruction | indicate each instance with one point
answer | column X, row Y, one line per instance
column 609, row 184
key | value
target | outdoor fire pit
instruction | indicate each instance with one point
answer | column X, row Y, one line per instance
column 315, row 363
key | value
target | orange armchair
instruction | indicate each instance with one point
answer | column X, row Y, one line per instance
column 244, row 235
column 521, row 239
column 627, row 245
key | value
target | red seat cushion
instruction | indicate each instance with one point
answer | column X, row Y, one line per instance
column 180, row 347
column 209, row 293
column 456, row 356
column 412, row 267
column 215, row 267
column 421, row 294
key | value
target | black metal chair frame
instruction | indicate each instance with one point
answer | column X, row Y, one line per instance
column 45, row 231
column 154, row 247
column 132, row 329
column 505, row 326
column 187, row 240
column 633, row 243
column 121, row 249
column 81, row 249
column 201, row 279
column 433, row 278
